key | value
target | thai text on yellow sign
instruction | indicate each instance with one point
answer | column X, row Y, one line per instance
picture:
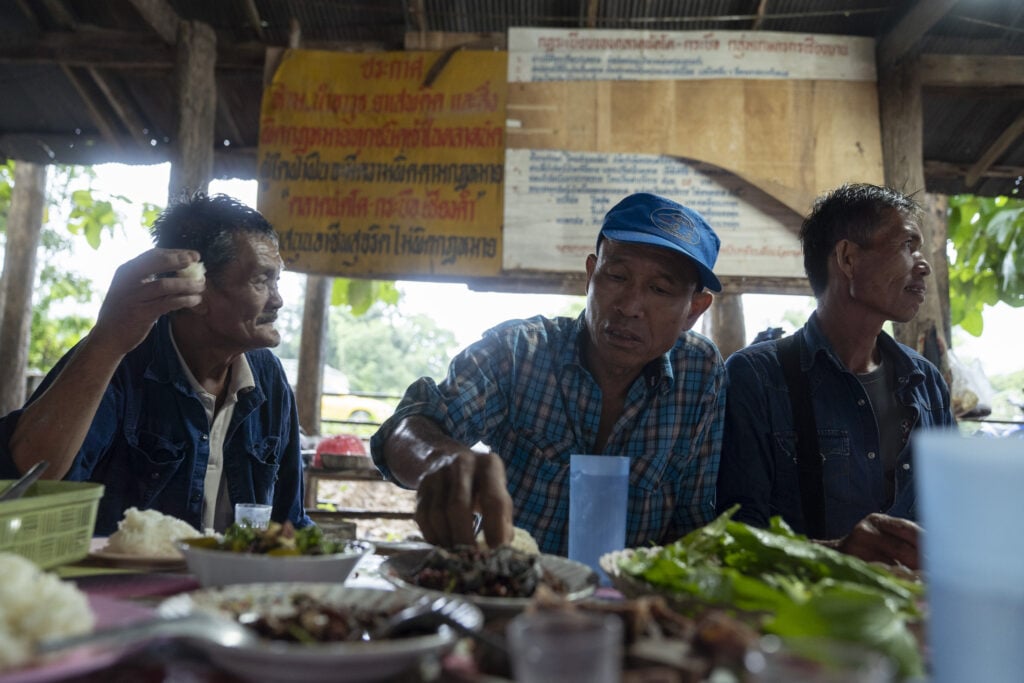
column 387, row 164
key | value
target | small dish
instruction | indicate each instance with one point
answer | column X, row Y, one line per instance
column 224, row 567
column 579, row 580
column 99, row 553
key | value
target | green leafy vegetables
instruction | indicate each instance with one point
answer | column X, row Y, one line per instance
column 798, row 587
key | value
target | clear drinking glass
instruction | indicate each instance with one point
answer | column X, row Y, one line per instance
column 555, row 647
column 252, row 514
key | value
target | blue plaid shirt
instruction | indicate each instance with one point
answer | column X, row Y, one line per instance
column 524, row 391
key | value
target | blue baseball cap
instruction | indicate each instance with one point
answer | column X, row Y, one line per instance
column 644, row 218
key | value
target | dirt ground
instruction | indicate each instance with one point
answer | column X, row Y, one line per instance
column 372, row 495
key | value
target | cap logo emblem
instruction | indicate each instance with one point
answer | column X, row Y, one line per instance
column 676, row 223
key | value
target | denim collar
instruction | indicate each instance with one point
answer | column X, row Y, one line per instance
column 817, row 346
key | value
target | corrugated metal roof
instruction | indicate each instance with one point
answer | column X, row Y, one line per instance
column 61, row 57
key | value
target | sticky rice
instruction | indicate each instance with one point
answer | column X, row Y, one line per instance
column 194, row 271
column 521, row 541
column 149, row 533
column 34, row 606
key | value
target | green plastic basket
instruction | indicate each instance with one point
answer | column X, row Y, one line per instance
column 52, row 523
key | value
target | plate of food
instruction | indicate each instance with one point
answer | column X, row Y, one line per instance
column 280, row 552
column 315, row 632
column 145, row 539
column 498, row 581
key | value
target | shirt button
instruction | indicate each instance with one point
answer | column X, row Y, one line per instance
column 860, row 401
column 871, row 455
column 205, row 437
column 155, row 475
column 196, row 497
column 906, row 465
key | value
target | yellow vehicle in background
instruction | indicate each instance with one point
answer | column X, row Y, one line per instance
column 352, row 408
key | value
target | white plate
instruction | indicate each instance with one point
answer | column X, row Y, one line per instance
column 98, row 551
column 283, row 661
column 580, row 581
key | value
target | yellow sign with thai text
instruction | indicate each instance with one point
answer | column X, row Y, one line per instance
column 387, row 164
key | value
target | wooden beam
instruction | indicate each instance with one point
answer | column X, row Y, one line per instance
column 252, row 13
column 995, row 150
column 762, row 9
column 592, row 8
column 92, row 107
column 973, row 71
column 418, row 16
column 122, row 106
column 24, row 225
column 228, row 119
column 115, row 49
column 904, row 36
column 192, row 160
column 441, row 40
column 161, row 17
column 946, row 169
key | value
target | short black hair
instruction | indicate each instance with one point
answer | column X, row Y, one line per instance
column 853, row 211
column 208, row 224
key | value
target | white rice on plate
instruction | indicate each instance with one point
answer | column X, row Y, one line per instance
column 35, row 606
column 148, row 533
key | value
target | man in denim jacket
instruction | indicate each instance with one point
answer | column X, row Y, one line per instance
column 863, row 258
column 173, row 401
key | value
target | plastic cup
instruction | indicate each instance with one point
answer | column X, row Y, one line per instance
column 970, row 490
column 554, row 647
column 598, row 494
column 252, row 514
column 816, row 660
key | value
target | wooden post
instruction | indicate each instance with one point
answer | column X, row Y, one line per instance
column 192, row 156
column 899, row 101
column 728, row 330
column 24, row 225
column 310, row 381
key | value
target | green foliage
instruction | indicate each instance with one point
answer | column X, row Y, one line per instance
column 987, row 264
column 383, row 353
column 71, row 200
column 359, row 295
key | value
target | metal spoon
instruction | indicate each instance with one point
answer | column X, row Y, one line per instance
column 428, row 613
column 198, row 626
column 15, row 490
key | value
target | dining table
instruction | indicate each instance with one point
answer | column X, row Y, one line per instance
column 122, row 594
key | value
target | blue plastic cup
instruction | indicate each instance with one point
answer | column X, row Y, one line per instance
column 598, row 493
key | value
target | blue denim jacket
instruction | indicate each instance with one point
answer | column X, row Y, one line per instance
column 758, row 467
column 149, row 442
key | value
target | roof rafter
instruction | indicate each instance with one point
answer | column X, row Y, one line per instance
column 995, row 150
column 904, row 36
column 161, row 17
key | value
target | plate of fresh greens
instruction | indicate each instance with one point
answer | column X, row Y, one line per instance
column 788, row 585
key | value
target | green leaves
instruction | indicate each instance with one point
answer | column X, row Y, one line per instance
column 986, row 236
column 800, row 587
column 359, row 295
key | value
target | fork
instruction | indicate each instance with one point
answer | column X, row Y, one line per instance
column 427, row 613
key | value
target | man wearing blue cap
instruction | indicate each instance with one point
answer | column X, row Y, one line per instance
column 627, row 377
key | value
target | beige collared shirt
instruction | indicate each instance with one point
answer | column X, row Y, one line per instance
column 217, row 508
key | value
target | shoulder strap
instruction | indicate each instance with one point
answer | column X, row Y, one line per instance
column 808, row 454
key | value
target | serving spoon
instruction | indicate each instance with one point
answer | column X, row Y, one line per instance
column 18, row 488
column 199, row 626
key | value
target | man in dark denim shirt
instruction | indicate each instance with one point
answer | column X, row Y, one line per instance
column 172, row 401
column 862, row 253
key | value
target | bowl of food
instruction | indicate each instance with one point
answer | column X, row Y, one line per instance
column 317, row 632
column 500, row 581
column 278, row 553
